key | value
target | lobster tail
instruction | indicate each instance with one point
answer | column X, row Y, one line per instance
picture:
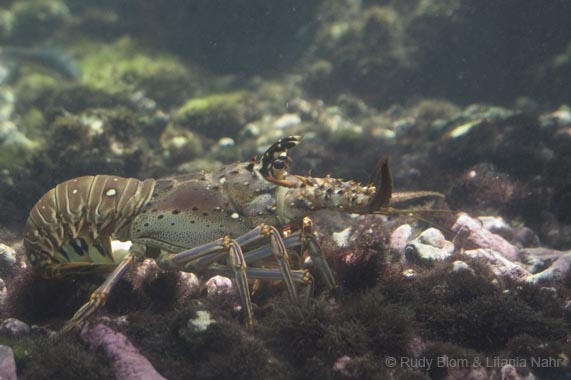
column 74, row 221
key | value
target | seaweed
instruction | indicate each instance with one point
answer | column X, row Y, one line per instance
column 40, row 357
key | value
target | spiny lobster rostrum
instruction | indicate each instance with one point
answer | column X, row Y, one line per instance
column 196, row 222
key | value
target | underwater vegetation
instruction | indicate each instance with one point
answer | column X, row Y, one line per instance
column 468, row 99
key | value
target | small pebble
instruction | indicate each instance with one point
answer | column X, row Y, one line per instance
column 14, row 327
column 287, row 120
column 461, row 266
column 218, row 285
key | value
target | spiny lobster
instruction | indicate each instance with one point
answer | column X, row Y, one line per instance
column 196, row 222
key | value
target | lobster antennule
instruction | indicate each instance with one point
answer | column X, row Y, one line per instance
column 383, row 181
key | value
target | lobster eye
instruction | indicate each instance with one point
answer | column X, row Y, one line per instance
column 279, row 164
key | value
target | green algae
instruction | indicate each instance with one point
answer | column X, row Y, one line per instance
column 216, row 115
column 13, row 156
column 208, row 103
column 41, row 91
column 36, row 20
column 33, row 88
column 125, row 67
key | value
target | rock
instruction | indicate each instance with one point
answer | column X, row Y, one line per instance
column 546, row 264
column 287, row 120
column 340, row 365
column 218, row 285
column 496, row 225
column 520, row 235
column 7, row 258
column 556, row 272
column 400, row 236
column 180, row 145
column 34, row 21
column 11, row 136
column 125, row 360
column 509, row 372
column 3, row 292
column 538, row 259
column 560, row 118
column 499, row 264
column 188, row 285
column 225, row 142
column 14, row 327
column 479, row 237
column 409, row 274
column 459, row 265
column 142, row 79
column 7, row 364
column 215, row 116
column 428, row 247
column 145, row 271
column 471, row 118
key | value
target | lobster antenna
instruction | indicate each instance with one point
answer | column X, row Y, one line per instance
column 416, row 213
column 383, row 181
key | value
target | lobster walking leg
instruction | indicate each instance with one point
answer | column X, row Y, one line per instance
column 300, row 276
column 99, row 296
column 279, row 251
column 306, row 240
column 204, row 256
column 309, row 242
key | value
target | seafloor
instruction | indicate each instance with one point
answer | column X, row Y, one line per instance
column 469, row 99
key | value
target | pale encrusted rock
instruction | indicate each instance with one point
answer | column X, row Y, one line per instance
column 428, row 247
column 399, row 238
column 125, row 360
column 499, row 264
column 477, row 236
column 14, row 327
column 7, row 364
column 218, row 285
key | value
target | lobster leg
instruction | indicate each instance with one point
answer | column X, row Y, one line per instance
column 278, row 249
column 204, row 256
column 99, row 296
column 309, row 242
column 301, row 276
column 306, row 240
column 66, row 269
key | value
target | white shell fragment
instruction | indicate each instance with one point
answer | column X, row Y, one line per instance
column 202, row 321
column 341, row 238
